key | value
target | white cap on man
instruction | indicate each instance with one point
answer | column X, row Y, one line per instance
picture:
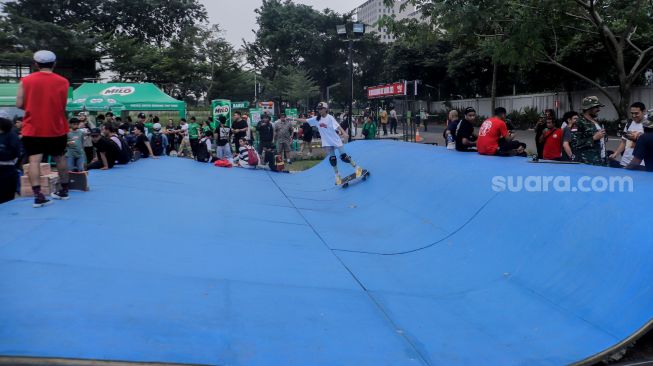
column 44, row 57
column 324, row 105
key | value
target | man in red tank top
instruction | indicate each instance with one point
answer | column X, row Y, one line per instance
column 43, row 95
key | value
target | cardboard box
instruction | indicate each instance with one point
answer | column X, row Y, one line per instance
column 48, row 184
column 45, row 169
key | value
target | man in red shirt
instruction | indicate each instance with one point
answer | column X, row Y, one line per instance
column 552, row 140
column 43, row 96
column 495, row 139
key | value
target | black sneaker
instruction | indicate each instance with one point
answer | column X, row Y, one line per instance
column 40, row 201
column 60, row 195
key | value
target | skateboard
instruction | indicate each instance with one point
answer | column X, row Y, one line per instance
column 544, row 161
column 78, row 181
column 352, row 178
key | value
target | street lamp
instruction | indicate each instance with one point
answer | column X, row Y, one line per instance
column 358, row 30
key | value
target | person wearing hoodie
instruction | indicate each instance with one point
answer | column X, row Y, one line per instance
column 265, row 134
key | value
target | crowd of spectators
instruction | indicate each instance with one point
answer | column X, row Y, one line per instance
column 578, row 138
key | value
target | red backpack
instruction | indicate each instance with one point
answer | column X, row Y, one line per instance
column 252, row 157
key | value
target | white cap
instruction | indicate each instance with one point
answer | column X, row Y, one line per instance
column 4, row 114
column 323, row 105
column 156, row 126
column 44, row 57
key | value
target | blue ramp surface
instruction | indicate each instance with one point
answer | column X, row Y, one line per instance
column 423, row 264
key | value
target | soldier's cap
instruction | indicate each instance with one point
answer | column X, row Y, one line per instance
column 591, row 102
column 44, row 57
column 324, row 105
column 648, row 122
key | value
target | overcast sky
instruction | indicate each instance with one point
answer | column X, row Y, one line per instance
column 237, row 18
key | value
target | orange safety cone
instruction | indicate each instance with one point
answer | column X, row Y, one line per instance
column 418, row 138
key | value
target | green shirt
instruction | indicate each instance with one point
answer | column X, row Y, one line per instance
column 193, row 130
column 75, row 150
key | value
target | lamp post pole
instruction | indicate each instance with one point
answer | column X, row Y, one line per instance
column 351, row 90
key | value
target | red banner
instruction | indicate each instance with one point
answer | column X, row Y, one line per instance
column 387, row 90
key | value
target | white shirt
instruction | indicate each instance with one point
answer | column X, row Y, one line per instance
column 328, row 127
column 599, row 127
column 630, row 145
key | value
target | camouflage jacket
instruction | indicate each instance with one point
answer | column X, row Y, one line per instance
column 587, row 150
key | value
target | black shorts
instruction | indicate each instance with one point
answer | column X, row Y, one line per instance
column 53, row 146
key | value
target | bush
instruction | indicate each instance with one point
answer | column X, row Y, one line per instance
column 523, row 120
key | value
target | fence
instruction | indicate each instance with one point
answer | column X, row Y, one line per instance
column 543, row 101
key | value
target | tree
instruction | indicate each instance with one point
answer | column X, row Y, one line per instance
column 615, row 34
column 296, row 35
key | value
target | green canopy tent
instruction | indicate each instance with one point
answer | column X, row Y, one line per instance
column 119, row 97
column 8, row 95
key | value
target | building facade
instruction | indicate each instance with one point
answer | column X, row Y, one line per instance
column 371, row 11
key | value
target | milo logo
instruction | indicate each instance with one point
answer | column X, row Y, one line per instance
column 222, row 109
column 118, row 90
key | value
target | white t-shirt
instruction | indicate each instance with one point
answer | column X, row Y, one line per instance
column 630, row 145
column 599, row 127
column 328, row 127
column 184, row 129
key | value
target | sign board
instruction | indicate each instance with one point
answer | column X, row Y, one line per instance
column 239, row 105
column 220, row 107
column 291, row 112
column 255, row 116
column 267, row 107
column 388, row 90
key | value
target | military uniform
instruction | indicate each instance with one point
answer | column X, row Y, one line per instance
column 583, row 145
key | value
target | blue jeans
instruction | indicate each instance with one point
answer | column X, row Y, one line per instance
column 331, row 150
column 75, row 163
column 223, row 152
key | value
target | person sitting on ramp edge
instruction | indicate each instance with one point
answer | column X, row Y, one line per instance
column 329, row 132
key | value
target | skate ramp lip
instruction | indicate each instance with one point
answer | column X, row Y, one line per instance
column 421, row 264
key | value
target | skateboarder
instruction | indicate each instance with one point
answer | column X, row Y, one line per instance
column 329, row 133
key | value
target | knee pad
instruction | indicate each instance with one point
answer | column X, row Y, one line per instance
column 333, row 160
column 346, row 158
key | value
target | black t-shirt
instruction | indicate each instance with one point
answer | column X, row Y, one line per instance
column 141, row 147
column 644, row 150
column 466, row 130
column 9, row 146
column 109, row 148
column 307, row 132
column 237, row 125
column 265, row 131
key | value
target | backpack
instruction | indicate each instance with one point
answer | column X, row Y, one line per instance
column 223, row 163
column 126, row 154
column 157, row 144
column 252, row 157
column 203, row 153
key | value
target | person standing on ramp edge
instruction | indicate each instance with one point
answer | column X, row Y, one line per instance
column 43, row 95
column 329, row 130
